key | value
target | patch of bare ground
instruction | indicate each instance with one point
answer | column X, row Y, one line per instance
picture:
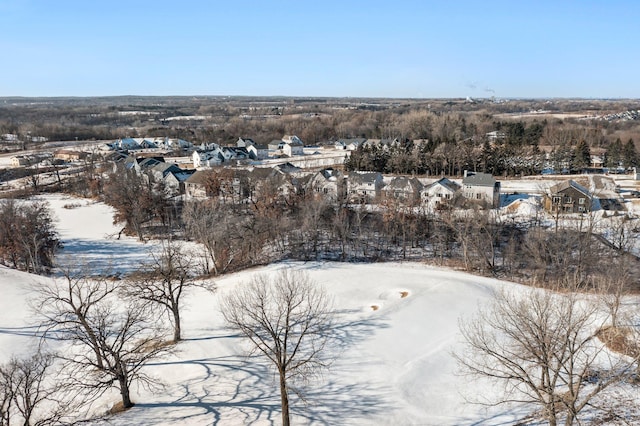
column 619, row 339
column 118, row 408
column 375, row 307
column 404, row 294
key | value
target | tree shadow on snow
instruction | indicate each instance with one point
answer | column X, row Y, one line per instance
column 245, row 388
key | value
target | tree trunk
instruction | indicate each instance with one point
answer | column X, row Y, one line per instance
column 284, row 399
column 176, row 325
column 124, row 391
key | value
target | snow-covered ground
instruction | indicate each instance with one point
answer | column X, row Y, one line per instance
column 90, row 238
column 394, row 362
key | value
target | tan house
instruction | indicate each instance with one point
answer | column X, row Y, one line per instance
column 69, row 155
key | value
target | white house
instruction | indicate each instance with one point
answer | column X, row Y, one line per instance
column 349, row 144
column 481, row 187
column 439, row 192
column 208, row 158
column 288, row 145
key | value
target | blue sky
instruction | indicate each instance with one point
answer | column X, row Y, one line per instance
column 359, row 48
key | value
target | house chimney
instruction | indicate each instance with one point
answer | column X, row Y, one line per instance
column 465, row 173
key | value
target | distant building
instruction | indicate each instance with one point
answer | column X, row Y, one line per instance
column 19, row 161
column 481, row 187
column 439, row 192
column 495, row 135
column 364, row 186
column 568, row 197
column 69, row 155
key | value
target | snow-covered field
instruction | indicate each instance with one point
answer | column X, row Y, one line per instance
column 393, row 365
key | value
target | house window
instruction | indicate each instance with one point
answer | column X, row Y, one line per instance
column 478, row 196
column 439, row 195
column 447, row 196
column 580, row 208
column 581, row 201
column 567, row 200
column 556, row 200
column 326, row 190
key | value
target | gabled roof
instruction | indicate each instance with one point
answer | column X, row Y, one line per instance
column 183, row 175
column 264, row 173
column 199, row 177
column 148, row 163
column 569, row 184
column 478, row 179
column 364, row 177
column 288, row 168
column 401, row 182
column 446, row 183
column 165, row 168
column 355, row 141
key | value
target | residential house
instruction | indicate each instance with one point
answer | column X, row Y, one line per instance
column 20, row 160
column 254, row 151
column 30, row 160
column 287, row 146
column 568, row 197
column 439, row 192
column 69, row 155
column 364, row 186
column 245, row 142
column 403, row 188
column 481, row 187
column 328, row 183
column 197, row 185
column 349, row 144
column 126, row 144
column 235, row 153
column 213, row 156
column 167, row 173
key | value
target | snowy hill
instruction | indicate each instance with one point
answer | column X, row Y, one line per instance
column 393, row 362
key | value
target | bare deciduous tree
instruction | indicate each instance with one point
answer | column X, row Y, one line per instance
column 67, row 305
column 164, row 281
column 28, row 394
column 111, row 341
column 541, row 345
column 127, row 340
column 287, row 318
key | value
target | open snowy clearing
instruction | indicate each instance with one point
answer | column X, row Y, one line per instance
column 393, row 365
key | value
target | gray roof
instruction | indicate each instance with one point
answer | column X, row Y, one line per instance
column 356, row 141
column 478, row 179
column 567, row 184
column 364, row 177
column 401, row 182
column 200, row 177
column 450, row 185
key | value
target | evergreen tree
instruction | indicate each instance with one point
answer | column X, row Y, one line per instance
column 630, row 155
column 614, row 154
column 582, row 156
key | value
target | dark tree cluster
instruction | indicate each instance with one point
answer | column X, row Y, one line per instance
column 140, row 203
column 28, row 240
